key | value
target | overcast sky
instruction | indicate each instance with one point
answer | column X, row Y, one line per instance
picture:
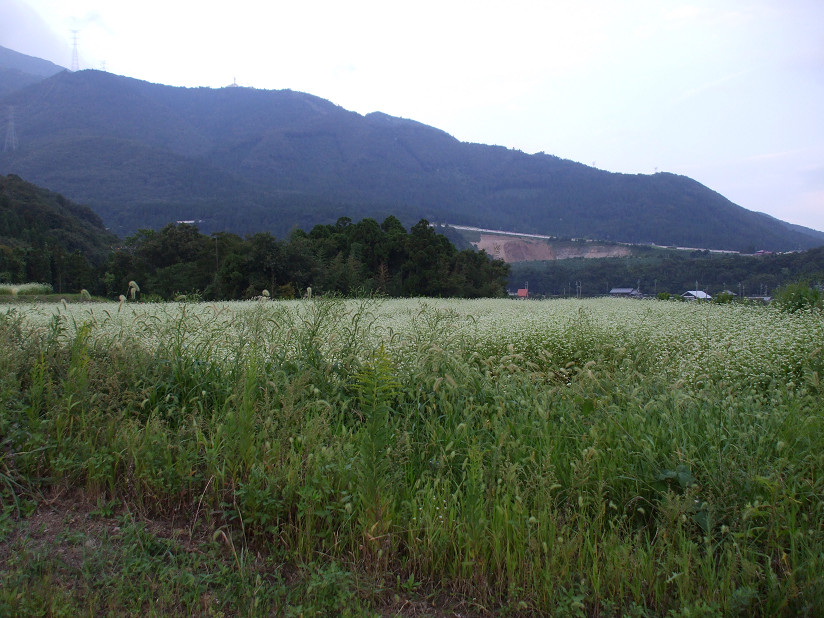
column 729, row 92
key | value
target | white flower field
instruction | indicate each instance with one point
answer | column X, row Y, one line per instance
column 741, row 345
column 573, row 457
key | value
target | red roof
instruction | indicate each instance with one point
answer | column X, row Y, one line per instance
column 523, row 293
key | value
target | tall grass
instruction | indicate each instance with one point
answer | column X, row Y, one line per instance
column 573, row 458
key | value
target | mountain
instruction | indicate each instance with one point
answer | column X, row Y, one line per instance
column 246, row 160
column 19, row 70
column 799, row 228
column 32, row 217
column 10, row 59
column 46, row 238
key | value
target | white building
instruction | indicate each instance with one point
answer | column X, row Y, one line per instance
column 696, row 295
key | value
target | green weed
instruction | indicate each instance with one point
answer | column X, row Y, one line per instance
column 328, row 455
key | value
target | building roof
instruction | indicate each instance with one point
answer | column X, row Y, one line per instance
column 699, row 294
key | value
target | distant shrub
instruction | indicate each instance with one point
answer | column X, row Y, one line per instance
column 724, row 298
column 663, row 295
column 13, row 289
column 192, row 296
column 287, row 291
column 798, row 296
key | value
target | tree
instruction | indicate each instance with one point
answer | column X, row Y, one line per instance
column 266, row 263
column 427, row 267
column 798, row 296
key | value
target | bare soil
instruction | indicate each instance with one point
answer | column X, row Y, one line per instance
column 513, row 249
column 68, row 526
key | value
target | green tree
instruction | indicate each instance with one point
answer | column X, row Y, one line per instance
column 426, row 270
column 799, row 296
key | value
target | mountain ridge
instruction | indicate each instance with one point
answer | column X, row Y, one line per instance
column 24, row 63
column 245, row 160
column 19, row 70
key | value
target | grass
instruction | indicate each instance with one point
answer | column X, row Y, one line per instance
column 599, row 457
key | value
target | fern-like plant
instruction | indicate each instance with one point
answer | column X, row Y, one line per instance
column 377, row 389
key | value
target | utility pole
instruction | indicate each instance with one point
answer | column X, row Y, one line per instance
column 75, row 57
column 10, row 143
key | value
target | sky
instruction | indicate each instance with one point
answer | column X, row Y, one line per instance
column 728, row 92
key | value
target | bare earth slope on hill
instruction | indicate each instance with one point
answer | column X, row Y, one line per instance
column 511, row 249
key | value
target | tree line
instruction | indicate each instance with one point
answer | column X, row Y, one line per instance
column 674, row 272
column 346, row 258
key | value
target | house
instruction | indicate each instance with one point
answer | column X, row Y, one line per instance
column 625, row 293
column 696, row 295
column 520, row 294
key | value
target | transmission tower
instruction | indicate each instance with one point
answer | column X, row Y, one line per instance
column 10, row 143
column 75, row 57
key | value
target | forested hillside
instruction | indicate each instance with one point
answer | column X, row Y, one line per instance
column 49, row 239
column 672, row 271
column 46, row 238
column 244, row 161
